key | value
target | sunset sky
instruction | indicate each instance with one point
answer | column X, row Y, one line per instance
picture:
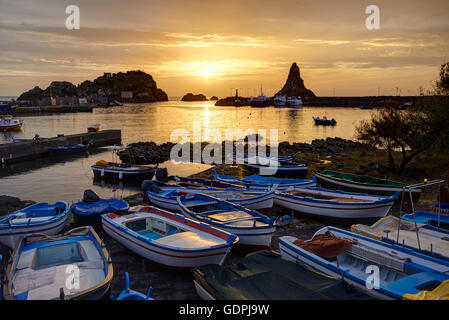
column 212, row 46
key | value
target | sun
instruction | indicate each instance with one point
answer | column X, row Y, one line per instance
column 206, row 71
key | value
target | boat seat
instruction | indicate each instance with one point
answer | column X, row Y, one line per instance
column 380, row 257
column 28, row 220
column 231, row 216
column 418, row 281
column 150, row 234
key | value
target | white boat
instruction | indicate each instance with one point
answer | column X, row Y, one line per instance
column 251, row 227
column 432, row 240
column 280, row 100
column 166, row 196
column 358, row 259
column 7, row 123
column 168, row 238
column 335, row 204
column 294, row 101
column 74, row 265
column 42, row 218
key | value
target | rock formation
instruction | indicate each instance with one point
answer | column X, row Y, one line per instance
column 213, row 98
column 194, row 97
column 294, row 86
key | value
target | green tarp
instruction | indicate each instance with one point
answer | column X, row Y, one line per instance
column 265, row 275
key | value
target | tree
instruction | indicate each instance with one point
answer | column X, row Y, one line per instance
column 442, row 84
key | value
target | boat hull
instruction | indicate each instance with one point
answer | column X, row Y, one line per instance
column 67, row 151
column 123, row 175
column 298, row 172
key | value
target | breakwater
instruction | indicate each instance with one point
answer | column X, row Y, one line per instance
column 27, row 150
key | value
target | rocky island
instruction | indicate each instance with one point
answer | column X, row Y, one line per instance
column 194, row 97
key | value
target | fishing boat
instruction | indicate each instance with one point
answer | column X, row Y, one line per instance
column 165, row 196
column 430, row 218
column 89, row 211
column 250, row 226
column 69, row 149
column 266, row 166
column 442, row 207
column 280, row 100
column 244, row 157
column 42, row 266
column 38, row 218
column 343, row 254
column 128, row 294
column 335, row 204
column 260, row 183
column 359, row 183
column 7, row 123
column 294, row 102
column 265, row 275
column 260, row 102
column 324, row 121
column 123, row 171
column 168, row 238
column 205, row 184
column 425, row 238
column 94, row 128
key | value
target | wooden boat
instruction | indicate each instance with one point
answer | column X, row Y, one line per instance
column 244, row 157
column 365, row 184
column 265, row 275
column 69, row 149
column 38, row 218
column 122, row 171
column 42, row 265
column 260, row 183
column 128, row 294
column 271, row 167
column 177, row 181
column 343, row 254
column 94, row 128
column 430, row 218
column 168, row 238
column 432, row 241
column 165, row 197
column 7, row 123
column 251, row 227
column 335, row 204
column 89, row 213
column 442, row 207
column 324, row 121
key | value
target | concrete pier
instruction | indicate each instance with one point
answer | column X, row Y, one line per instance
column 27, row 150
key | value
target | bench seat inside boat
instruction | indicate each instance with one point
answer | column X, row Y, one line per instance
column 191, row 240
column 41, row 274
column 418, row 282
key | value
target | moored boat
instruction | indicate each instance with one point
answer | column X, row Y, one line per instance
column 430, row 218
column 364, row 184
column 42, row 266
column 335, row 204
column 38, row 218
column 94, row 128
column 294, row 102
column 123, row 171
column 69, row 149
column 168, row 238
column 324, row 121
column 165, row 196
column 251, row 227
column 260, row 183
column 342, row 254
column 270, row 167
column 7, row 123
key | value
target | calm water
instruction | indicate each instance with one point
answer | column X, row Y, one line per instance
column 50, row 180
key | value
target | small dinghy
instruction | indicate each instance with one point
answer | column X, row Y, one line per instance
column 353, row 257
column 430, row 218
column 89, row 211
column 324, row 121
column 265, row 275
column 38, row 218
column 260, row 183
column 7, row 123
column 335, row 204
column 42, row 266
column 122, row 171
column 129, row 294
column 69, row 149
column 359, row 183
column 269, row 166
column 432, row 241
column 251, row 227
column 168, row 238
column 165, row 196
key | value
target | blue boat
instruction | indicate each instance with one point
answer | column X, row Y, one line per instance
column 177, row 181
column 69, row 149
column 42, row 266
column 250, row 226
column 129, row 294
column 269, row 166
column 89, row 212
column 38, row 218
column 428, row 217
column 245, row 156
column 261, row 183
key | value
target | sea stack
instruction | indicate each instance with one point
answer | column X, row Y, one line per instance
column 294, row 86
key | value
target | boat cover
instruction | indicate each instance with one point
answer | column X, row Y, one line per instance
column 265, row 275
column 325, row 245
column 439, row 293
column 99, row 207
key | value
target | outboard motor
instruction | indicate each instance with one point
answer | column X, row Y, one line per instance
column 90, row 196
column 161, row 174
